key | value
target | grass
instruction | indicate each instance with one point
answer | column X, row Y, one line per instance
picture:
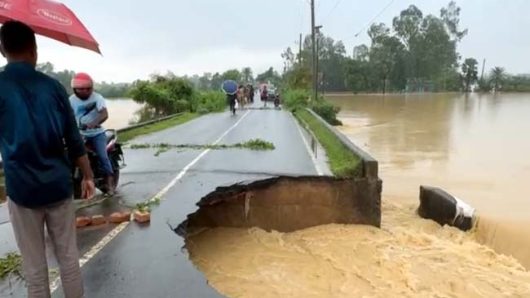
column 255, row 144
column 343, row 162
column 147, row 205
column 11, row 264
column 133, row 133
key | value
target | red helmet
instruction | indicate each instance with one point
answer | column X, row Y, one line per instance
column 82, row 80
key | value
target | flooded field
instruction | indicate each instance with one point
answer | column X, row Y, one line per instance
column 474, row 147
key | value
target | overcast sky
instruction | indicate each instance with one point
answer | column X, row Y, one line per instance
column 138, row 38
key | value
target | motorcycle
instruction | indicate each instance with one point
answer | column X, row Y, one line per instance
column 277, row 101
column 117, row 161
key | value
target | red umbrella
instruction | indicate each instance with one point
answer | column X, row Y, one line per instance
column 51, row 19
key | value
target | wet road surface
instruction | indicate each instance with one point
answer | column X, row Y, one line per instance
column 149, row 260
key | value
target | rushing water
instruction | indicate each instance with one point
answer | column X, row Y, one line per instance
column 476, row 147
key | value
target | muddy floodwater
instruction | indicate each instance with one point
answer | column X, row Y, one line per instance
column 122, row 111
column 407, row 257
column 476, row 147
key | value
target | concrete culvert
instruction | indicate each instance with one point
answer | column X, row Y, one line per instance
column 445, row 209
column 287, row 204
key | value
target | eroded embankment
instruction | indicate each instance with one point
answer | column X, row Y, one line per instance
column 234, row 240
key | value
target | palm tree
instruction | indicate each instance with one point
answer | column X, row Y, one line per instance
column 247, row 75
column 469, row 73
column 498, row 74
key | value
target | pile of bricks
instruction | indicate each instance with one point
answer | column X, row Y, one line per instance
column 114, row 218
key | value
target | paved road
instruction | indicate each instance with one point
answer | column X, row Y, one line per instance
column 149, row 261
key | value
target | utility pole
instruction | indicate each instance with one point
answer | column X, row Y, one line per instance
column 313, row 50
column 300, row 51
column 317, row 31
column 483, row 65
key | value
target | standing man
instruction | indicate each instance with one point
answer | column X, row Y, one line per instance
column 264, row 95
column 36, row 124
column 251, row 92
column 90, row 112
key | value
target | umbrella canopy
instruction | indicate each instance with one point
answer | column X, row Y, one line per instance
column 51, row 19
column 229, row 87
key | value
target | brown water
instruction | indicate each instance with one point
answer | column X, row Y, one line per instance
column 476, row 147
column 407, row 257
column 121, row 112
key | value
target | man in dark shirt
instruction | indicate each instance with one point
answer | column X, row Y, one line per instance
column 36, row 125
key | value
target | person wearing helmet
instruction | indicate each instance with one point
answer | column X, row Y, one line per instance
column 91, row 111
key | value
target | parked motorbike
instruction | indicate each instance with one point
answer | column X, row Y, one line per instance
column 116, row 157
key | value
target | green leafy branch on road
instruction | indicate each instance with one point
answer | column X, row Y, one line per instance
column 11, row 264
column 255, row 144
column 148, row 205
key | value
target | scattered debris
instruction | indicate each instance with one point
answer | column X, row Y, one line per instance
column 255, row 144
column 445, row 209
column 11, row 264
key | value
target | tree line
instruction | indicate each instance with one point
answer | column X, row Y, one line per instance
column 416, row 53
column 212, row 81
column 108, row 90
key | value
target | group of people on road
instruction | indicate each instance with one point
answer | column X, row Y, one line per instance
column 42, row 132
column 244, row 95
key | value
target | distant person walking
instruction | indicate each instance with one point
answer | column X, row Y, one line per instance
column 241, row 97
column 36, row 124
column 251, row 92
column 264, row 95
column 231, row 100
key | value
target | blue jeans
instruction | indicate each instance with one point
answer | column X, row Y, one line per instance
column 99, row 143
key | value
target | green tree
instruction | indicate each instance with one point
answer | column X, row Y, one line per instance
column 386, row 58
column 407, row 26
column 361, row 52
column 469, row 73
column 497, row 77
column 299, row 77
column 232, row 74
column 205, row 81
column 269, row 76
column 165, row 94
column 451, row 17
column 357, row 75
column 247, row 74
column 289, row 59
column 216, row 81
